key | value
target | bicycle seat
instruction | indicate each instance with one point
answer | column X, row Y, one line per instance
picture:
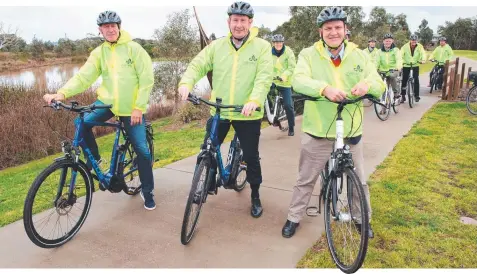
column 473, row 76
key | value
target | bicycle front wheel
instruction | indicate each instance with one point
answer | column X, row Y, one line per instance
column 50, row 217
column 346, row 221
column 471, row 101
column 410, row 93
column 383, row 112
column 197, row 196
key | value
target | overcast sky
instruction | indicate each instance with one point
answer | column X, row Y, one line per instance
column 52, row 23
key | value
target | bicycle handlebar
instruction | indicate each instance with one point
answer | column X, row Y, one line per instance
column 196, row 101
column 74, row 107
column 342, row 103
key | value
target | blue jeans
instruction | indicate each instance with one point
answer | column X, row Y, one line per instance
column 137, row 137
column 287, row 104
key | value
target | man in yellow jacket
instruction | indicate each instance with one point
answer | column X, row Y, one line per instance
column 441, row 54
column 413, row 53
column 242, row 66
column 336, row 69
column 127, row 80
column 372, row 51
column 284, row 63
column 390, row 62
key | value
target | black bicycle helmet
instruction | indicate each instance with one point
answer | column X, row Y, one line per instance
column 388, row 36
column 413, row 37
column 108, row 17
column 372, row 40
column 278, row 38
column 241, row 8
column 331, row 14
column 442, row 38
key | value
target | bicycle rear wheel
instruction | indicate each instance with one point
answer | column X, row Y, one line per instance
column 129, row 167
column 50, row 217
column 383, row 112
column 346, row 221
column 197, row 196
column 471, row 101
column 410, row 93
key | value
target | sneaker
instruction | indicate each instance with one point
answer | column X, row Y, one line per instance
column 403, row 99
column 417, row 99
column 148, row 199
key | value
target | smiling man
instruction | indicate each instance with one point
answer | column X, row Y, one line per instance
column 127, row 80
column 242, row 66
column 336, row 69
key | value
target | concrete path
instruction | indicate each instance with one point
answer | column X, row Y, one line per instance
column 120, row 233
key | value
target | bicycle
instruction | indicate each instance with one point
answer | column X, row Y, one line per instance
column 232, row 176
column 471, row 100
column 410, row 87
column 387, row 99
column 75, row 191
column 274, row 109
column 437, row 75
column 339, row 180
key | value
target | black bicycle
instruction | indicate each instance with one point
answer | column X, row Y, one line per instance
column 231, row 176
column 60, row 197
column 346, row 211
column 437, row 78
column 471, row 101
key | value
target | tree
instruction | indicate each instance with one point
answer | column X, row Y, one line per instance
column 37, row 48
column 265, row 33
column 8, row 37
column 424, row 33
column 178, row 42
column 460, row 34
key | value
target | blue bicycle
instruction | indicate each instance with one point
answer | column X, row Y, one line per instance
column 232, row 176
column 66, row 186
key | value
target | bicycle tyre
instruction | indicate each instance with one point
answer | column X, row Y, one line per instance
column 28, row 221
column 357, row 262
column 472, row 93
column 204, row 166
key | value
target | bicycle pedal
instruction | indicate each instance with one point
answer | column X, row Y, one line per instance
column 312, row 211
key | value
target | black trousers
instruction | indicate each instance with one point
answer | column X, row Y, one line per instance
column 248, row 133
column 405, row 77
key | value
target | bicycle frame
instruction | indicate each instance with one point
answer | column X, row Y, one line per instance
column 213, row 147
column 78, row 141
column 272, row 116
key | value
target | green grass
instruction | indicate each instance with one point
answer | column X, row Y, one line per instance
column 471, row 54
column 418, row 195
column 171, row 143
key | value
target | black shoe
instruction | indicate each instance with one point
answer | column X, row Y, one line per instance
column 291, row 132
column 257, row 209
column 370, row 230
column 289, row 228
column 417, row 99
column 403, row 99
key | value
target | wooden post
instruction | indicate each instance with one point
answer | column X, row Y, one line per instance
column 467, row 85
column 456, row 87
column 451, row 84
column 456, row 78
column 444, row 85
column 462, row 76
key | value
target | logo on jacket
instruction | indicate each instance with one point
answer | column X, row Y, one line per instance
column 252, row 59
column 358, row 69
column 129, row 62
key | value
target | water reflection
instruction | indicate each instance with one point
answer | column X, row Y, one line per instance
column 52, row 77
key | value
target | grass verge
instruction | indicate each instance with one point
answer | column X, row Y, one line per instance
column 418, row 195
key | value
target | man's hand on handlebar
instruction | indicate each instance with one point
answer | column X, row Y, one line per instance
column 50, row 97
